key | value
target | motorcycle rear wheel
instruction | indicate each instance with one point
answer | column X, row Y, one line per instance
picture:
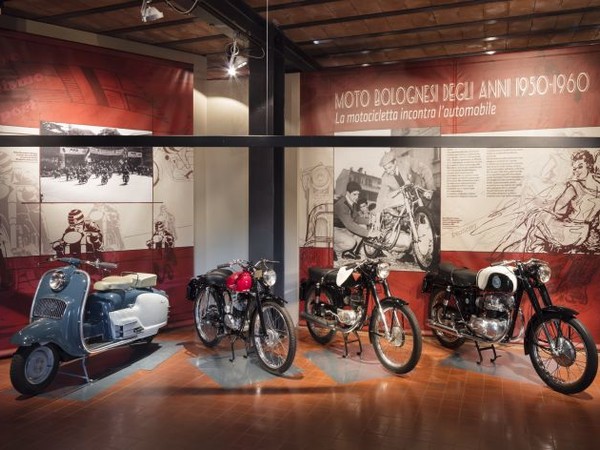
column 207, row 317
column 436, row 309
column 574, row 368
column 401, row 350
column 425, row 244
column 32, row 369
column 276, row 349
column 322, row 335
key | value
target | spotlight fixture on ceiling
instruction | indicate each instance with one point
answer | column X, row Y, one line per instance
column 150, row 13
column 234, row 60
column 237, row 58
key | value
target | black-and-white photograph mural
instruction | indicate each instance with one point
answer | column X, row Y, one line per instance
column 19, row 202
column 94, row 174
column 88, row 229
column 386, row 205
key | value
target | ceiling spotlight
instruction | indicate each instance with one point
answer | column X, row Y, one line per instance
column 150, row 13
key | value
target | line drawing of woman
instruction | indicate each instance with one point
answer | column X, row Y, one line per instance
column 570, row 224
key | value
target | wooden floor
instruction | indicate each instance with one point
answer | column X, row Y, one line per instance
column 179, row 395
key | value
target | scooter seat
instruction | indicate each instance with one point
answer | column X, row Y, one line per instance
column 126, row 281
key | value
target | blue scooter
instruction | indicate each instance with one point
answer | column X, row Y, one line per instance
column 67, row 322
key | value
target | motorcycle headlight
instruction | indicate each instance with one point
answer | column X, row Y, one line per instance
column 58, row 280
column 383, row 270
column 544, row 273
column 270, row 277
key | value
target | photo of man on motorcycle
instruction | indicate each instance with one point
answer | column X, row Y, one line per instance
column 405, row 219
column 348, row 233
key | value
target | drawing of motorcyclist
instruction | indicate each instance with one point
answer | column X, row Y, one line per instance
column 82, row 236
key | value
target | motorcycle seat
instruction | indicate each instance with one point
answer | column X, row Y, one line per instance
column 217, row 276
column 322, row 274
column 126, row 281
column 459, row 276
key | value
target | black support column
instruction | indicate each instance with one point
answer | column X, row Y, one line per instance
column 267, row 164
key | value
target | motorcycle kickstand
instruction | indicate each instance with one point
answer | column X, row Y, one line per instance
column 481, row 349
column 232, row 340
column 85, row 375
column 346, row 342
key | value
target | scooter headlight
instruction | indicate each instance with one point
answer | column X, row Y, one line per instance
column 58, row 281
column 383, row 270
column 544, row 273
column 270, row 277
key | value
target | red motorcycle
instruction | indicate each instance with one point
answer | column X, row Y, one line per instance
column 240, row 304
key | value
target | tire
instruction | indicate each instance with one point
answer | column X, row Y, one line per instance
column 276, row 349
column 32, row 369
column 575, row 367
column 322, row 335
column 435, row 311
column 425, row 245
column 400, row 352
column 371, row 250
column 207, row 317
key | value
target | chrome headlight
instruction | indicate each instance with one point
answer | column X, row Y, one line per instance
column 270, row 277
column 544, row 273
column 58, row 281
column 383, row 270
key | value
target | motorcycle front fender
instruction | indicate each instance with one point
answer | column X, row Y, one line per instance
column 559, row 312
column 44, row 331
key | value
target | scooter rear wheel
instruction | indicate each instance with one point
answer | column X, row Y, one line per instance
column 32, row 369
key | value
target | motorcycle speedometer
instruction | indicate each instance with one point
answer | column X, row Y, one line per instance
column 544, row 273
column 270, row 277
column 58, row 280
column 383, row 270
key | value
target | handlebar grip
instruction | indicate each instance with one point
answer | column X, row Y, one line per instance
column 109, row 265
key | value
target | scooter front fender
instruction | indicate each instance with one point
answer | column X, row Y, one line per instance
column 43, row 331
column 549, row 312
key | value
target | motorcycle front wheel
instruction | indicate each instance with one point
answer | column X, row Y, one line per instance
column 447, row 317
column 276, row 347
column 425, row 243
column 207, row 317
column 398, row 350
column 32, row 369
column 323, row 335
column 573, row 365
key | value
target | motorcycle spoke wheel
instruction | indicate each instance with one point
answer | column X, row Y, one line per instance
column 276, row 347
column 207, row 317
column 323, row 335
column 572, row 366
column 437, row 315
column 399, row 349
column 425, row 242
column 32, row 369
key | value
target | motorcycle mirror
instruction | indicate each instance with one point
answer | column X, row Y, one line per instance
column 343, row 273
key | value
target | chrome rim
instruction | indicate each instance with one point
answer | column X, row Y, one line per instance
column 39, row 365
column 273, row 347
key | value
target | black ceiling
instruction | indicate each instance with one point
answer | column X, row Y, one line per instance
column 322, row 34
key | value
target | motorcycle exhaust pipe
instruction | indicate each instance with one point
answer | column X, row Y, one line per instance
column 444, row 328
column 318, row 320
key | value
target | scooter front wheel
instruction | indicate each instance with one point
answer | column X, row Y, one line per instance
column 32, row 369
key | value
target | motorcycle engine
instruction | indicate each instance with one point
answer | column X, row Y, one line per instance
column 355, row 299
column 492, row 317
column 234, row 311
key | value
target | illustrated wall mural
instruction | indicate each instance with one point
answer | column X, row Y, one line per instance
column 130, row 206
column 487, row 204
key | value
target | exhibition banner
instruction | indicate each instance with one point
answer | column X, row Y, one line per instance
column 488, row 204
column 125, row 205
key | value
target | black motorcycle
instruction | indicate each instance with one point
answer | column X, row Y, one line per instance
column 485, row 306
column 240, row 304
column 338, row 299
